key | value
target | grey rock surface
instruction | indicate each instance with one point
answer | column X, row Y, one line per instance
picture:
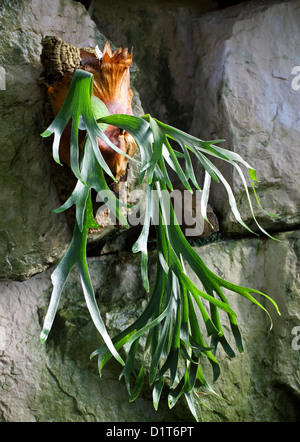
column 245, row 94
column 31, row 237
column 162, row 39
column 224, row 74
column 58, row 382
column 261, row 384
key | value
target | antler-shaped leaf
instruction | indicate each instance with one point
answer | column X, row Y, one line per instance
column 77, row 106
column 92, row 173
column 76, row 253
column 174, row 339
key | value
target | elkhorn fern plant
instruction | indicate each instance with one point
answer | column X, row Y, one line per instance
column 168, row 331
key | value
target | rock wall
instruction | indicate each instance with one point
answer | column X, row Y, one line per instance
column 161, row 35
column 249, row 100
column 262, row 384
column 223, row 73
column 57, row 382
column 31, row 237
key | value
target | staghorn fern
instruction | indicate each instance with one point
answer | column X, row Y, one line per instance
column 168, row 330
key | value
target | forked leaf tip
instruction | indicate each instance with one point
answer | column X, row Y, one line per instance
column 57, row 160
column 252, row 174
column 44, row 336
column 46, row 133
